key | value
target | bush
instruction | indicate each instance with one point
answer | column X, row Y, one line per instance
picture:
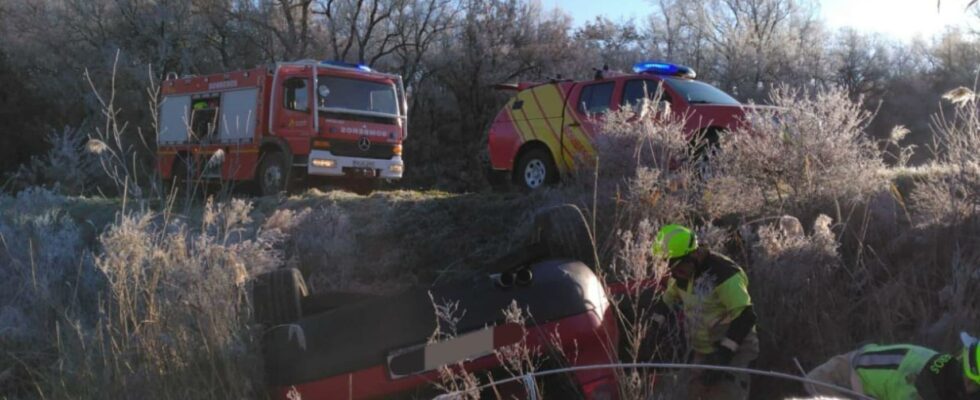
column 810, row 151
column 159, row 310
column 955, row 196
column 66, row 167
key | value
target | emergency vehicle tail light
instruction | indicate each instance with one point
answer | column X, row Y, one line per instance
column 662, row 68
column 323, row 163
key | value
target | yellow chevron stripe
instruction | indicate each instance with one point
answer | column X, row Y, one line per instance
column 575, row 140
column 538, row 121
column 520, row 124
column 547, row 97
column 583, row 138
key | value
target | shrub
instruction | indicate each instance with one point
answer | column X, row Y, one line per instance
column 66, row 167
column 164, row 313
column 810, row 151
column 955, row 196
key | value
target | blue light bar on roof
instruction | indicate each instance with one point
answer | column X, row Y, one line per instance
column 361, row 67
column 662, row 68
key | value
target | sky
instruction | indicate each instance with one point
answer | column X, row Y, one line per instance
column 899, row 19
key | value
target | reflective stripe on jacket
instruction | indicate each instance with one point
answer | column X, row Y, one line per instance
column 899, row 372
column 710, row 301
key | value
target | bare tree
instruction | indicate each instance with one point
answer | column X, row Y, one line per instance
column 862, row 61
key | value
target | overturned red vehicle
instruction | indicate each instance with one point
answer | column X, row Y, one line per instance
column 334, row 345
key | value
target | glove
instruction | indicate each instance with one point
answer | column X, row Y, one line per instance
column 721, row 356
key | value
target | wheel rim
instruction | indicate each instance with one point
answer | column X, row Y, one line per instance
column 272, row 178
column 535, row 174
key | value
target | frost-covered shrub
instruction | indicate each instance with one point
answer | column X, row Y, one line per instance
column 643, row 174
column 153, row 308
column 45, row 263
column 799, row 287
column 640, row 137
column 810, row 151
column 66, row 167
column 954, row 196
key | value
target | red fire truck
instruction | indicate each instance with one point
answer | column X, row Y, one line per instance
column 546, row 127
column 282, row 124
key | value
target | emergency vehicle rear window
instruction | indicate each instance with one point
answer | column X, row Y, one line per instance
column 339, row 94
column 595, row 99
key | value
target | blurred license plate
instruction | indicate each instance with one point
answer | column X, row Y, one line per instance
column 363, row 164
column 368, row 172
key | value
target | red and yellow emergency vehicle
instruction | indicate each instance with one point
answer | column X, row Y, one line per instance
column 546, row 128
column 283, row 123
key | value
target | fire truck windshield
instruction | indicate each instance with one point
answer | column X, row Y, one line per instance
column 344, row 95
column 699, row 92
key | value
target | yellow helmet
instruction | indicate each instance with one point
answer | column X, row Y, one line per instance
column 674, row 241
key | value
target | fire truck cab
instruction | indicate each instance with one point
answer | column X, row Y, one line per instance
column 546, row 128
column 282, row 124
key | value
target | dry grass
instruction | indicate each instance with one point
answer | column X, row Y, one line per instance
column 154, row 309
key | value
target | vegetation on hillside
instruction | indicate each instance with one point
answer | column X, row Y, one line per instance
column 853, row 208
column 134, row 297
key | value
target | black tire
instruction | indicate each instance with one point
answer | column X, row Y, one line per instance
column 277, row 296
column 273, row 174
column 565, row 233
column 535, row 170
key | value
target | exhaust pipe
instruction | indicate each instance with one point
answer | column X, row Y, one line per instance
column 504, row 279
column 523, row 277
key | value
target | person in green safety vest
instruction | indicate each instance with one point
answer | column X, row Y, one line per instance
column 711, row 290
column 902, row 372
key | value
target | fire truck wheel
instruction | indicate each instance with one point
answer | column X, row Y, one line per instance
column 273, row 174
column 277, row 296
column 565, row 233
column 535, row 169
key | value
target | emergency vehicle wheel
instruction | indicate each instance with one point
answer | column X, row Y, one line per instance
column 535, row 169
column 273, row 174
column 277, row 296
column 565, row 233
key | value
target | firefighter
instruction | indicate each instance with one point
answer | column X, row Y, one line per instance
column 901, row 372
column 712, row 291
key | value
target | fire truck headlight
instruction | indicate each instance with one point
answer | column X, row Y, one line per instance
column 324, row 163
column 396, row 168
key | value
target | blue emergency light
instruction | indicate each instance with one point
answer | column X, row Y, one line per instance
column 662, row 68
column 361, row 67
